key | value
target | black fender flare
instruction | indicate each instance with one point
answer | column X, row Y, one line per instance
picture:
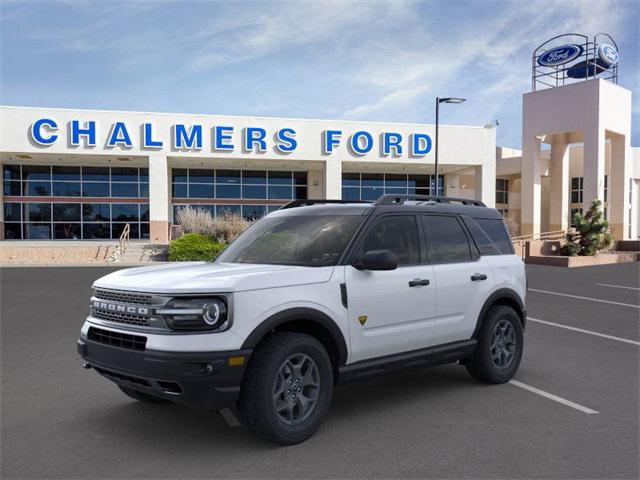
column 301, row 314
column 503, row 296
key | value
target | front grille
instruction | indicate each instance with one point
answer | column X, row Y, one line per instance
column 117, row 339
column 142, row 321
column 124, row 297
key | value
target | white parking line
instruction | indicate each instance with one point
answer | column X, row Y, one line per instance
column 553, row 397
column 585, row 298
column 589, row 332
column 616, row 286
column 229, row 417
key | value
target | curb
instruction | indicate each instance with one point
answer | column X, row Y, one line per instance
column 75, row 265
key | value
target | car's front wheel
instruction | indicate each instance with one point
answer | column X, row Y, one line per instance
column 287, row 388
column 500, row 346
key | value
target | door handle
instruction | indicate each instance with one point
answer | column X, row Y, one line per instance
column 418, row 282
column 478, row 276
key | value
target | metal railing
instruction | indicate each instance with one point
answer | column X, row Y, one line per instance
column 553, row 235
column 123, row 243
column 521, row 242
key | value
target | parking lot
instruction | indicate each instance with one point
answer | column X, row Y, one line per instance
column 572, row 411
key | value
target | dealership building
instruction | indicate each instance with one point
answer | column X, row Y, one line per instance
column 86, row 174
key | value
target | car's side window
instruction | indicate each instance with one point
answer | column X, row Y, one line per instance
column 483, row 242
column 397, row 233
column 447, row 240
column 497, row 231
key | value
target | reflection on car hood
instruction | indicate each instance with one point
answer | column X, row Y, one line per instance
column 201, row 277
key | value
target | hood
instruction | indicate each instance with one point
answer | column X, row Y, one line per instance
column 205, row 277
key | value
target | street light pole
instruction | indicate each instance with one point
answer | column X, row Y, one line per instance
column 437, row 142
column 438, row 102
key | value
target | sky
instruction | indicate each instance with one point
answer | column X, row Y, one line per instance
column 344, row 60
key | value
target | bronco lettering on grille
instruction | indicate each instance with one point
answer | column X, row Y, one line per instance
column 115, row 307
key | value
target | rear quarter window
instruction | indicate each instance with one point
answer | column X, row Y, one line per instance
column 496, row 230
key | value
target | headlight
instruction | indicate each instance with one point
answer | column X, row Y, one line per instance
column 196, row 314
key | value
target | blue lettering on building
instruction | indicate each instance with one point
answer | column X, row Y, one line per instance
column 420, row 144
column 38, row 135
column 390, row 141
column 89, row 132
column 361, row 142
column 286, row 141
column 255, row 136
column 330, row 139
column 222, row 137
column 119, row 136
column 44, row 132
column 184, row 138
column 147, row 137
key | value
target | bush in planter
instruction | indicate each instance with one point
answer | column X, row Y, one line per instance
column 194, row 247
column 592, row 233
column 223, row 228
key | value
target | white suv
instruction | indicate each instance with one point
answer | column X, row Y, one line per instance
column 316, row 294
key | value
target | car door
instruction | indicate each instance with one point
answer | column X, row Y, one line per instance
column 391, row 311
column 463, row 279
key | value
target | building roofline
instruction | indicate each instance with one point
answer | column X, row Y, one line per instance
column 18, row 107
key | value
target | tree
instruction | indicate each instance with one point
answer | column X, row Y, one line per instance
column 591, row 235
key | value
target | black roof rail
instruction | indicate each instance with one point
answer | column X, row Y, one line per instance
column 397, row 199
column 309, row 202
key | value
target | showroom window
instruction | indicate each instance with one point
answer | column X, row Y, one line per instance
column 502, row 190
column 205, row 187
column 74, row 221
column 576, row 190
column 369, row 186
column 63, row 181
column 64, row 213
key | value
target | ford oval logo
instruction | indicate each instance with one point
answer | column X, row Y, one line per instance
column 560, row 55
column 608, row 54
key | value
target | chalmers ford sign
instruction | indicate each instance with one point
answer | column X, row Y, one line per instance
column 222, row 138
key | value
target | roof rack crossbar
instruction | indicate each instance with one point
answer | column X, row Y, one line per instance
column 396, row 199
column 309, row 202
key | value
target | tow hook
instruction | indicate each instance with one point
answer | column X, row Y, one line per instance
column 86, row 366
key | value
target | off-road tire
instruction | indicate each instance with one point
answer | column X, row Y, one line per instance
column 482, row 365
column 256, row 405
column 141, row 396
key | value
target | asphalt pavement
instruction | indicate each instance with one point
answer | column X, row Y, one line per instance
column 572, row 412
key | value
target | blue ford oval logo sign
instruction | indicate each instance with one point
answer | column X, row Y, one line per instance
column 608, row 54
column 560, row 55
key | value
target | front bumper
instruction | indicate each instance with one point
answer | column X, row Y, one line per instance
column 203, row 380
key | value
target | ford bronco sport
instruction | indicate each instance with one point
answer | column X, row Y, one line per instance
column 314, row 295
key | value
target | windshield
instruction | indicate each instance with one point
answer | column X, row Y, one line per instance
column 310, row 241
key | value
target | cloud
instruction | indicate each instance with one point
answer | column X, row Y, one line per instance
column 488, row 47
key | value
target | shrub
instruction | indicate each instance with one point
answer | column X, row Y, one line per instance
column 591, row 235
column 223, row 228
column 194, row 247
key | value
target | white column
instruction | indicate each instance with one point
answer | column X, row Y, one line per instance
column 333, row 179
column 593, row 167
column 159, row 198
column 531, row 186
column 618, row 187
column 315, row 180
column 452, row 185
column 1, row 209
column 559, row 205
column 485, row 183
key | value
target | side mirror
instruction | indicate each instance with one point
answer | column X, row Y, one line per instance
column 377, row 260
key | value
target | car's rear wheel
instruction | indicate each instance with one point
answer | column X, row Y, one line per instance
column 500, row 346
column 287, row 388
column 141, row 396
